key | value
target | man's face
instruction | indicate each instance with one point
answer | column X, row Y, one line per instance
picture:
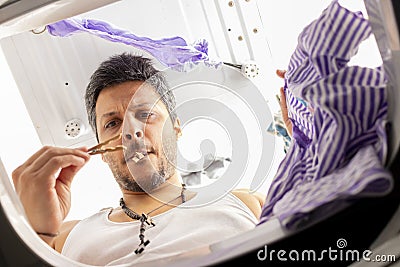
column 136, row 109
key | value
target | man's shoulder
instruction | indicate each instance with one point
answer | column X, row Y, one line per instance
column 253, row 200
column 66, row 228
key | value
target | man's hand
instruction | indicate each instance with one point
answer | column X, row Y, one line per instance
column 43, row 184
column 283, row 105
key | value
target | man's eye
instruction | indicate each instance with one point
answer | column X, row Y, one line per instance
column 112, row 124
column 146, row 115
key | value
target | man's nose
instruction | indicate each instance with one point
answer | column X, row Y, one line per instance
column 134, row 134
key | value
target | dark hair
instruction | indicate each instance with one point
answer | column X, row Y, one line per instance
column 123, row 68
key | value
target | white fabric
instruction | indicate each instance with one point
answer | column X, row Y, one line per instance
column 100, row 242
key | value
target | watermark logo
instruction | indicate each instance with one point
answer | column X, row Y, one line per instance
column 338, row 253
column 341, row 243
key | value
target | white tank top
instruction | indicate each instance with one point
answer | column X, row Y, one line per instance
column 101, row 242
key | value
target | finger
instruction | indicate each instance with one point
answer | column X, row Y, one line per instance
column 54, row 152
column 51, row 168
column 31, row 159
column 19, row 172
column 36, row 155
column 83, row 148
column 285, row 112
column 67, row 174
column 282, row 99
column 281, row 73
column 37, row 160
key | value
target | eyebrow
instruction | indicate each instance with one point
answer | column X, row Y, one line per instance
column 108, row 114
column 113, row 113
column 141, row 105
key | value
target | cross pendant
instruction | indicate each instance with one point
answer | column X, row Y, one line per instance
column 147, row 219
column 142, row 246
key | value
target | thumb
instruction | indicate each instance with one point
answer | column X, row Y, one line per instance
column 281, row 73
column 67, row 174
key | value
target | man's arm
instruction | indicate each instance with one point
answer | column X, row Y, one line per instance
column 65, row 229
column 254, row 201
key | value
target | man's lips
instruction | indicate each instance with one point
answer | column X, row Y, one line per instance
column 136, row 156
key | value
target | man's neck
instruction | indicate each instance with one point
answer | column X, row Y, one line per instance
column 145, row 202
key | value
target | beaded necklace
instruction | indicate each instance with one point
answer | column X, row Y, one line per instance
column 146, row 220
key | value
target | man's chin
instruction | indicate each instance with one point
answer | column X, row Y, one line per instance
column 146, row 184
column 129, row 185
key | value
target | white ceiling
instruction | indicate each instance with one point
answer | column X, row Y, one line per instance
column 52, row 72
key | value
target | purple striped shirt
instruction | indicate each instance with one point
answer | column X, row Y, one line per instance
column 339, row 116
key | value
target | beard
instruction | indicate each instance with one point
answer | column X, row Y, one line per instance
column 145, row 176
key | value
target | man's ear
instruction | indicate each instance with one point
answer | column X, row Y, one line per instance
column 177, row 128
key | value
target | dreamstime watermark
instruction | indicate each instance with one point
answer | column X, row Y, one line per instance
column 338, row 253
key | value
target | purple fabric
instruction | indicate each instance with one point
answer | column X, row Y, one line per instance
column 172, row 52
column 339, row 114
